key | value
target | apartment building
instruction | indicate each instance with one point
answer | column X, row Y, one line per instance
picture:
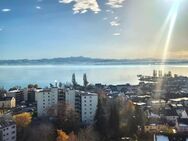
column 7, row 102
column 84, row 103
column 46, row 99
column 7, row 130
column 17, row 94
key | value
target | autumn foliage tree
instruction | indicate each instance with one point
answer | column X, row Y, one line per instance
column 23, row 119
column 62, row 136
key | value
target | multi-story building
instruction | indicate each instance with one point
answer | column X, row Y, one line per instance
column 31, row 95
column 46, row 99
column 61, row 95
column 7, row 102
column 84, row 103
column 17, row 94
column 7, row 130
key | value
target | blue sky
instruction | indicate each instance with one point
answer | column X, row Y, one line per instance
column 34, row 29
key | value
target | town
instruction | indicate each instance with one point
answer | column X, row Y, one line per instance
column 155, row 108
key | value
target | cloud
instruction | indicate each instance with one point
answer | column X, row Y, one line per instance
column 1, row 29
column 105, row 18
column 82, row 6
column 110, row 11
column 5, row 10
column 117, row 34
column 115, row 3
column 116, row 18
column 114, row 23
column 38, row 7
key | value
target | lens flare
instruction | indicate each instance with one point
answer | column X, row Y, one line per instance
column 168, row 24
column 171, row 19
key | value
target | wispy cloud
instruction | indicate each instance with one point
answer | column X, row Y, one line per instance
column 110, row 11
column 117, row 34
column 115, row 3
column 1, row 29
column 116, row 18
column 38, row 7
column 114, row 23
column 82, row 6
column 5, row 10
column 105, row 18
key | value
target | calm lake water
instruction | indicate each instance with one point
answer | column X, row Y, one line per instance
column 106, row 74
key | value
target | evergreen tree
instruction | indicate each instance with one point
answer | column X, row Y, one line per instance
column 100, row 120
column 74, row 79
column 60, row 84
column 85, row 80
column 114, row 121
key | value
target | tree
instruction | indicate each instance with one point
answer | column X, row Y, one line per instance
column 22, row 120
column 113, row 121
column 72, row 137
column 100, row 119
column 85, row 80
column 74, row 80
column 68, row 118
column 35, row 86
column 87, row 134
column 60, row 84
column 51, row 85
column 62, row 136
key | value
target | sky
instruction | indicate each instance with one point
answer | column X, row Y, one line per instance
column 34, row 29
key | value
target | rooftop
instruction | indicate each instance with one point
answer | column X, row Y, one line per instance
column 4, row 123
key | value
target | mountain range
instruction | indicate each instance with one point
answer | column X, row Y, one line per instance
column 90, row 61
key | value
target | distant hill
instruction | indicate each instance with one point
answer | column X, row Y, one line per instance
column 89, row 61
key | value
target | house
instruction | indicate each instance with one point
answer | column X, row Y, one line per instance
column 17, row 94
column 7, row 102
column 155, row 128
column 182, row 125
column 157, row 104
column 170, row 115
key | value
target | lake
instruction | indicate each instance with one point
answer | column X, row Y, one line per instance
column 107, row 74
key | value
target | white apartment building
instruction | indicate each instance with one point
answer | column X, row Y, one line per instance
column 85, row 104
column 7, row 130
column 7, row 102
column 46, row 99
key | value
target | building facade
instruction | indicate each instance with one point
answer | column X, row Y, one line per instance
column 7, row 102
column 84, row 103
column 7, row 130
column 46, row 100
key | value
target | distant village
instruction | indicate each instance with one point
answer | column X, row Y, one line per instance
column 157, row 106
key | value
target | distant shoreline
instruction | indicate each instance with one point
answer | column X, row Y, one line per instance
column 92, row 61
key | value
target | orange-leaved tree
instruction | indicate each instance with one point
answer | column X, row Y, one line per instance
column 23, row 119
column 62, row 136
